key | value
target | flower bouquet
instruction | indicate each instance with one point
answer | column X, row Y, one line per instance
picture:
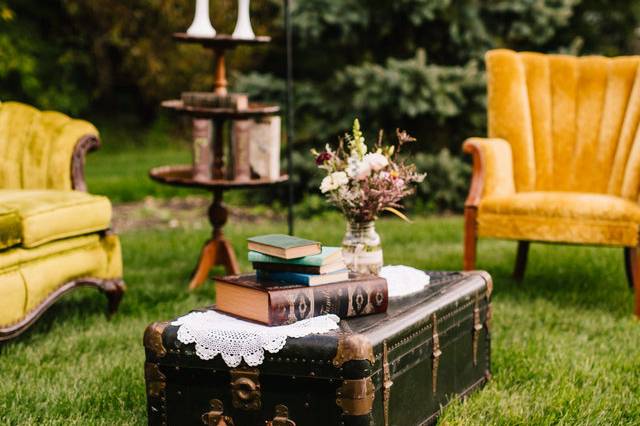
column 363, row 183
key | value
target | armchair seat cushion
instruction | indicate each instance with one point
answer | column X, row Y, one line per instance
column 567, row 217
column 35, row 217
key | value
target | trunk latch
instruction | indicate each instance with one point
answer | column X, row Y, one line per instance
column 282, row 417
column 245, row 389
column 215, row 417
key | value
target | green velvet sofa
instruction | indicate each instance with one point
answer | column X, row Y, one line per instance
column 54, row 236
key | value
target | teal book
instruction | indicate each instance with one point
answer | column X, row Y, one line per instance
column 302, row 279
column 283, row 246
column 326, row 256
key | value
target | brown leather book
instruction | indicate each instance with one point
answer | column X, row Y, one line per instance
column 277, row 304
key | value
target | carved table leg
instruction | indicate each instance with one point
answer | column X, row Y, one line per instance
column 217, row 250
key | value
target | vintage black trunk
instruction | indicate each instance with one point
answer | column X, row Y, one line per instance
column 397, row 368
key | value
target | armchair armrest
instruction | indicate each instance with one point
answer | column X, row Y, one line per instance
column 68, row 149
column 492, row 169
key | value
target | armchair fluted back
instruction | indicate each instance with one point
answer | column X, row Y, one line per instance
column 37, row 147
column 572, row 122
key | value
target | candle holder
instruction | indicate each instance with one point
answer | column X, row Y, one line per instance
column 201, row 26
column 243, row 28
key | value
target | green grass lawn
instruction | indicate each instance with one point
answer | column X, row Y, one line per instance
column 565, row 345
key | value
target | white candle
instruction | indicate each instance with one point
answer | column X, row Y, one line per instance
column 243, row 24
column 201, row 26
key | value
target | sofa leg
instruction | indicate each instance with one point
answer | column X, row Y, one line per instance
column 114, row 291
column 470, row 238
column 521, row 260
column 632, row 267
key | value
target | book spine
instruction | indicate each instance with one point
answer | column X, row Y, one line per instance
column 283, row 276
column 346, row 300
column 254, row 256
column 240, row 144
column 279, row 267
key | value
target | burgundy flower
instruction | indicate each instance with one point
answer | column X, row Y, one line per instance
column 323, row 158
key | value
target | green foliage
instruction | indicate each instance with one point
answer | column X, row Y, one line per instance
column 412, row 64
column 446, row 185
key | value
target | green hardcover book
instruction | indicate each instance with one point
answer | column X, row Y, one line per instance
column 327, row 256
column 283, row 246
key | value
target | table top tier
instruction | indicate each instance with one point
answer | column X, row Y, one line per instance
column 254, row 110
column 220, row 41
column 182, row 175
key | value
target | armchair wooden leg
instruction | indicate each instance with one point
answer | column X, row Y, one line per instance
column 632, row 267
column 470, row 238
column 521, row 260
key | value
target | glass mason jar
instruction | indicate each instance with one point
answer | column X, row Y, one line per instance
column 361, row 248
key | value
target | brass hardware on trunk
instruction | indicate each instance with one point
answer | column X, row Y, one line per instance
column 436, row 353
column 156, row 381
column 282, row 417
column 216, row 416
column 477, row 327
column 353, row 347
column 245, row 389
column 386, row 385
column 153, row 338
column 355, row 397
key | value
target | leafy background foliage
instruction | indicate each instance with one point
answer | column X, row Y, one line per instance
column 414, row 64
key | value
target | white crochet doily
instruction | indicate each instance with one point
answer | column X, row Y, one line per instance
column 214, row 333
column 404, row 280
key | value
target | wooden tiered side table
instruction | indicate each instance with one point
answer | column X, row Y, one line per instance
column 217, row 250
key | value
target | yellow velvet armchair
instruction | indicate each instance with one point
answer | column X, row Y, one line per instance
column 54, row 236
column 562, row 161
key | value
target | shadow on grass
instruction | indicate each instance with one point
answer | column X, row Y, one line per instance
column 580, row 277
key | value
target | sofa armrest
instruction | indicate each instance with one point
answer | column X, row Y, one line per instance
column 70, row 143
column 85, row 144
column 492, row 169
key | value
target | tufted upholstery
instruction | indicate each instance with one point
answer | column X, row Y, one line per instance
column 571, row 122
column 36, row 147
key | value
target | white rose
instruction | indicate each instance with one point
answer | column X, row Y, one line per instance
column 334, row 181
column 357, row 169
column 376, row 161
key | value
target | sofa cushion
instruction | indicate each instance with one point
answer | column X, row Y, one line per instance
column 10, row 227
column 570, row 217
column 48, row 215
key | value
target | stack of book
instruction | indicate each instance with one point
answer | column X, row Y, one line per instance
column 296, row 279
column 292, row 260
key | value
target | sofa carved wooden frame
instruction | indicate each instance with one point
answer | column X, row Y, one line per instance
column 113, row 288
column 631, row 254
